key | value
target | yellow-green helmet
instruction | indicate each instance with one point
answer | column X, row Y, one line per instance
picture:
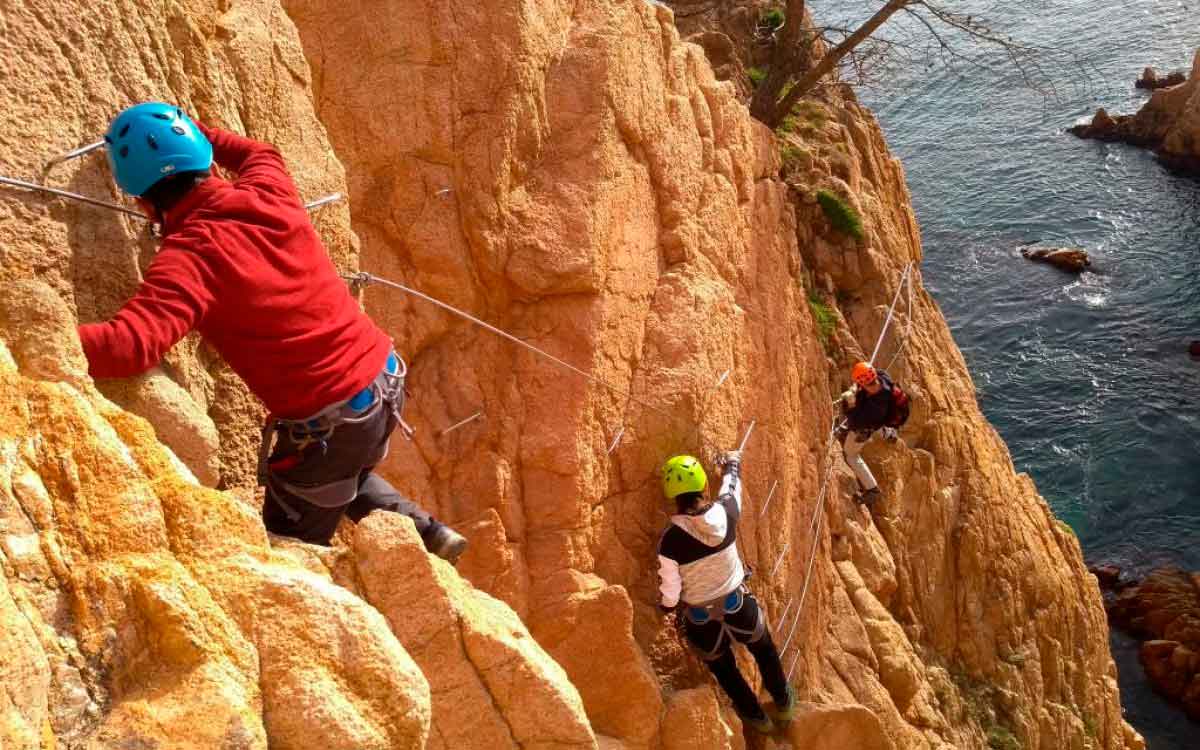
column 682, row 474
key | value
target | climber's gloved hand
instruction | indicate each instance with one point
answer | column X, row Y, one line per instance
column 890, row 434
column 848, row 398
column 841, row 431
column 727, row 458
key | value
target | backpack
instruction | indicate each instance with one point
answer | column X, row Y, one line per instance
column 901, row 406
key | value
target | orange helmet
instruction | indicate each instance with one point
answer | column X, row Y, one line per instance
column 863, row 373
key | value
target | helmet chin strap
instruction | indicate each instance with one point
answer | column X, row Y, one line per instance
column 151, row 211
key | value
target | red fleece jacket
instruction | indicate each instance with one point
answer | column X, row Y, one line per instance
column 241, row 263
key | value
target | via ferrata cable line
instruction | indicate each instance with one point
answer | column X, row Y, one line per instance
column 98, row 203
column 891, row 311
column 363, row 278
column 815, row 524
column 908, row 325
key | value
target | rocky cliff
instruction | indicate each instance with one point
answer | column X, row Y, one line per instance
column 1163, row 611
column 1169, row 123
column 574, row 173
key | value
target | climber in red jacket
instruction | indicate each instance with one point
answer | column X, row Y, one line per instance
column 242, row 264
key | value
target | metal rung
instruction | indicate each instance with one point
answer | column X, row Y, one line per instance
column 770, row 495
column 463, row 423
column 75, row 154
column 783, row 618
column 795, row 659
column 332, row 198
column 616, row 440
column 746, row 437
column 779, row 560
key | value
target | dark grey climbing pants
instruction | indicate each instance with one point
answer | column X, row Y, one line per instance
column 711, row 636
column 311, row 484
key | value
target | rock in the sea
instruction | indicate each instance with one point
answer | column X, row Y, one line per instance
column 1152, row 80
column 1068, row 259
column 1169, row 123
column 1164, row 609
column 1108, row 576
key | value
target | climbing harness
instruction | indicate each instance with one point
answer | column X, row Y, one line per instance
column 362, row 279
column 25, row 185
column 716, row 611
column 318, row 428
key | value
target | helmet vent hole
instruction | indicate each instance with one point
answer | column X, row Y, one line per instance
column 124, row 131
column 162, row 116
column 179, row 112
column 108, row 140
column 152, row 142
column 124, row 151
column 178, row 130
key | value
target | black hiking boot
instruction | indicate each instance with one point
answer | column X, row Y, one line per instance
column 786, row 711
column 868, row 497
column 446, row 543
column 761, row 723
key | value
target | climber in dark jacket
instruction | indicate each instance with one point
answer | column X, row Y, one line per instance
column 699, row 567
column 241, row 263
column 867, row 406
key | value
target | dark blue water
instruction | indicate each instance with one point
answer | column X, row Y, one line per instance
column 1086, row 378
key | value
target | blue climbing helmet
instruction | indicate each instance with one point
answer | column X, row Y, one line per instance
column 152, row 141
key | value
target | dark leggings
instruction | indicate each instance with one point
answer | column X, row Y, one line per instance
column 316, row 525
column 706, row 637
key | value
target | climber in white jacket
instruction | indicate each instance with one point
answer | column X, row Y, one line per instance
column 700, row 569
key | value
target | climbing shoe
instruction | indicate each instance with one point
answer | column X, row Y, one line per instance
column 761, row 724
column 868, row 497
column 786, row 711
column 446, row 543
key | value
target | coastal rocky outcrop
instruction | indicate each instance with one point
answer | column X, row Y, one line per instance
column 1152, row 80
column 1163, row 611
column 1070, row 259
column 575, row 173
column 1169, row 123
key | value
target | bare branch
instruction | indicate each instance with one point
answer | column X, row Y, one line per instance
column 861, row 52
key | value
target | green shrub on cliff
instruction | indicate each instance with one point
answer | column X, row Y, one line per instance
column 1000, row 737
column 756, row 75
column 841, row 214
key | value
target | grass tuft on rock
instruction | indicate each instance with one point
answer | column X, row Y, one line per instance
column 841, row 214
column 772, row 19
column 823, row 315
column 791, row 155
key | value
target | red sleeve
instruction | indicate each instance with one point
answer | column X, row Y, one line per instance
column 258, row 165
column 171, row 301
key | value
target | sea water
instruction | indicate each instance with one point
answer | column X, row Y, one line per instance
column 1087, row 378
